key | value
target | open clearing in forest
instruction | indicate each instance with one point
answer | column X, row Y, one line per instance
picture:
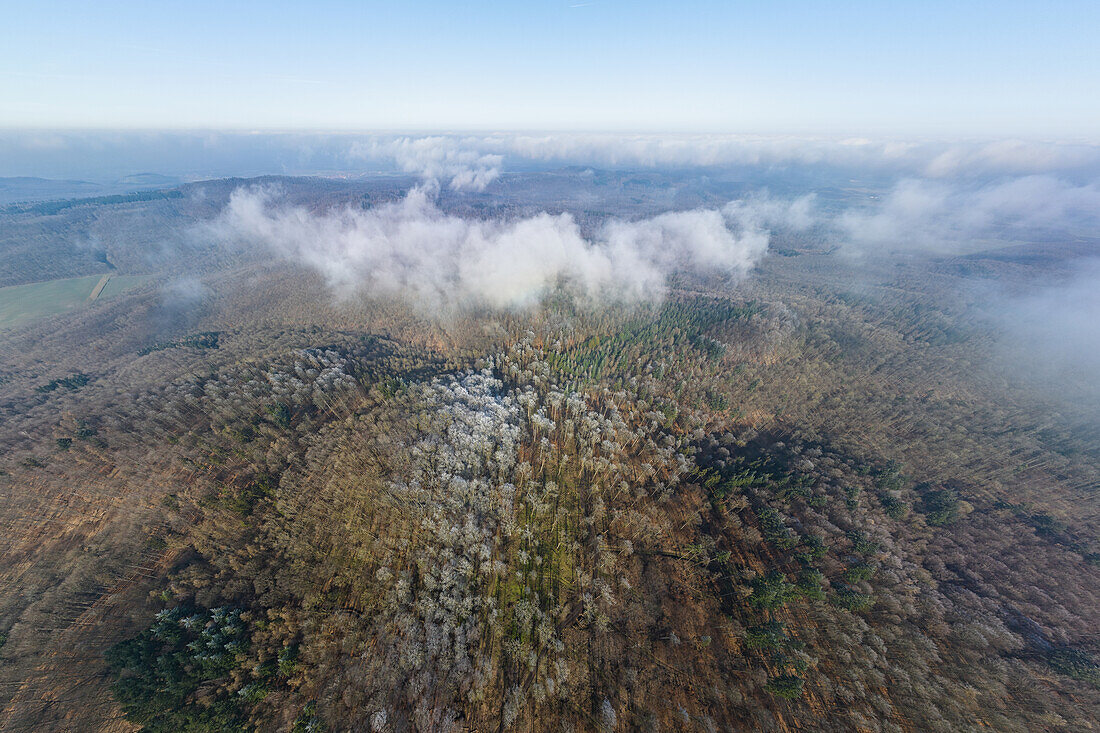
column 20, row 304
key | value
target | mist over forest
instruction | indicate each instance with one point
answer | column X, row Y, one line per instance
column 548, row 431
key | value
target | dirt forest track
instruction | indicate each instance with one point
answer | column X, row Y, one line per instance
column 99, row 288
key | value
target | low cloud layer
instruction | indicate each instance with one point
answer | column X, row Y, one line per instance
column 412, row 249
column 762, row 211
column 474, row 161
column 434, row 158
column 1050, row 334
column 942, row 216
column 923, row 158
column 945, row 196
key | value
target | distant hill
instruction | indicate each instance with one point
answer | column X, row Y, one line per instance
column 23, row 188
column 148, row 179
column 27, row 189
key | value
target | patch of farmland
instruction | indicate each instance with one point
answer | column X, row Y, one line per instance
column 20, row 304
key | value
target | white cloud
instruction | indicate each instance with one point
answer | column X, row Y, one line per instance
column 472, row 161
column 1051, row 332
column 412, row 249
column 448, row 155
column 941, row 216
column 434, row 158
column 763, row 211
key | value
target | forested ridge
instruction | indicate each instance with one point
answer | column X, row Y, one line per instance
column 782, row 506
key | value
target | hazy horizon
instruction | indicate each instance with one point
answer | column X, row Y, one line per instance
column 107, row 155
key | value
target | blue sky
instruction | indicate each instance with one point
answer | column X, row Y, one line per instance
column 954, row 68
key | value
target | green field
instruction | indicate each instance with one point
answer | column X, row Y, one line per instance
column 119, row 284
column 20, row 304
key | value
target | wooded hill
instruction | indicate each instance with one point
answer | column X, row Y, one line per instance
column 783, row 506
